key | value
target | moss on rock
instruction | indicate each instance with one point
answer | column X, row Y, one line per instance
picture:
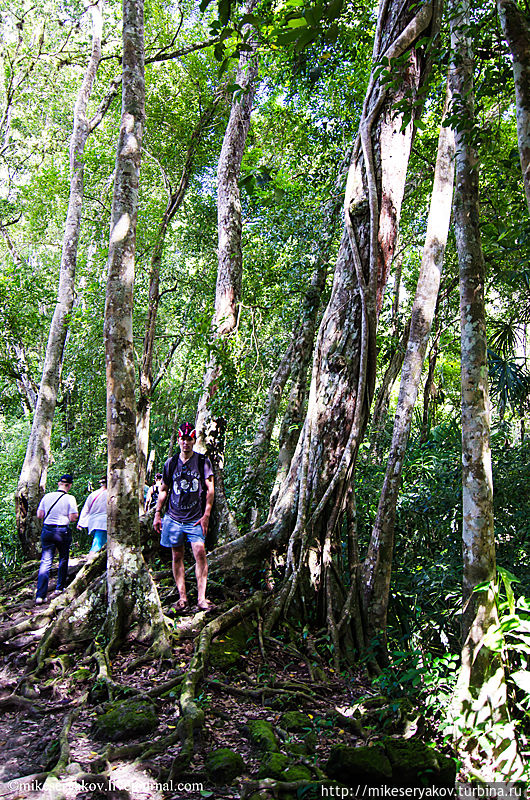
column 81, row 675
column 413, row 762
column 225, row 651
column 125, row 719
column 273, row 765
column 224, row 765
column 359, row 765
column 297, row 773
column 262, row 734
column 295, row 721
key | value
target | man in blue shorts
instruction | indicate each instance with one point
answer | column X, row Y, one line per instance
column 188, row 478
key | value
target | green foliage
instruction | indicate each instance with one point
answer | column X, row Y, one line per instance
column 427, row 681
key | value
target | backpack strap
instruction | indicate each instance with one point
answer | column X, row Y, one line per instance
column 53, row 505
column 202, row 460
column 96, row 497
column 172, row 466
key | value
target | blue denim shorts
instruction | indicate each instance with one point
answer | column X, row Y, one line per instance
column 174, row 534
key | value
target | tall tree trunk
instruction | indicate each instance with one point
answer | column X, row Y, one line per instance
column 27, row 389
column 312, row 499
column 210, row 427
column 146, row 375
column 132, row 595
column 481, row 691
column 294, row 365
column 32, row 480
column 516, row 29
column 382, row 399
column 314, row 492
column 377, row 566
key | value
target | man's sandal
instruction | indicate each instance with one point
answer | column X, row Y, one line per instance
column 181, row 606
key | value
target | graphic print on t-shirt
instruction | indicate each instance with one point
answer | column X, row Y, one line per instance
column 186, row 487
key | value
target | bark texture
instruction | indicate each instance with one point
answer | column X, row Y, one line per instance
column 377, row 565
column 147, row 381
column 481, row 693
column 132, row 596
column 32, row 480
column 293, row 366
column 312, row 499
column 210, row 427
column 516, row 30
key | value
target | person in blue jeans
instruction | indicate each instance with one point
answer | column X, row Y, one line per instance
column 56, row 510
column 191, row 496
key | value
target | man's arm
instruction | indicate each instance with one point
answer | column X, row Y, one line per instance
column 40, row 513
column 210, row 494
column 73, row 516
column 162, row 495
column 83, row 519
column 148, row 498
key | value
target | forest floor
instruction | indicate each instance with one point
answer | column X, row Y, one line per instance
column 260, row 680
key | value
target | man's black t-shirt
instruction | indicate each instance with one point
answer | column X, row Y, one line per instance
column 185, row 489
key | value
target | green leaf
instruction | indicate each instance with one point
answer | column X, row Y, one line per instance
column 225, row 8
column 493, row 639
column 521, row 679
column 296, row 22
column 306, row 38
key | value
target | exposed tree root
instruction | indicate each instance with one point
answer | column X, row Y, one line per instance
column 134, row 604
column 79, row 620
column 259, row 692
column 191, row 715
column 31, row 706
column 64, row 755
column 139, row 751
column 82, row 580
column 283, row 787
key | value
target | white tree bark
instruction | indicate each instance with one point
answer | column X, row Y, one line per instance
column 378, row 563
column 132, row 596
column 32, row 480
column 481, row 693
column 516, row 30
column 210, row 427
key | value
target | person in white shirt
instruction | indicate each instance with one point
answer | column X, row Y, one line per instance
column 94, row 516
column 56, row 510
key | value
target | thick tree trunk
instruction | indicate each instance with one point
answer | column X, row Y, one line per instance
column 313, row 495
column 147, row 383
column 32, row 480
column 293, row 366
column 477, row 532
column 378, row 563
column 210, row 428
column 481, row 691
column 516, row 29
column 304, row 337
column 312, row 499
column 132, row 595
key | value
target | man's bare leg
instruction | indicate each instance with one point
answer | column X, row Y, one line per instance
column 201, row 571
column 178, row 573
